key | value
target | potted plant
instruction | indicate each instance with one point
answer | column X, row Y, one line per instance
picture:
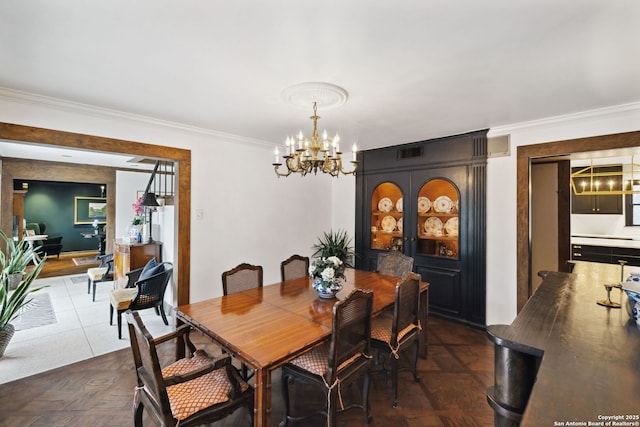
column 336, row 244
column 334, row 253
column 14, row 261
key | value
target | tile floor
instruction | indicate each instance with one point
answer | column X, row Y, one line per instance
column 81, row 331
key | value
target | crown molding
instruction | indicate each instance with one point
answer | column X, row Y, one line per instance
column 632, row 107
column 33, row 99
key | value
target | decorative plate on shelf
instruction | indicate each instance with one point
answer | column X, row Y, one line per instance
column 433, row 226
column 399, row 205
column 451, row 226
column 424, row 204
column 443, row 204
column 385, row 205
column 399, row 225
column 388, row 223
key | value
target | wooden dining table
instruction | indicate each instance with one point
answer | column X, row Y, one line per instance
column 266, row 327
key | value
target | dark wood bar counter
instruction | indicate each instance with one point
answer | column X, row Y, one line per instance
column 566, row 361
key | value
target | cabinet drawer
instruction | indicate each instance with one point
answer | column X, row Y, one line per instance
column 631, row 260
column 588, row 249
column 626, row 251
column 591, row 253
column 605, row 254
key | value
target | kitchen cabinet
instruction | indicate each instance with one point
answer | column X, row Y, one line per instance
column 600, row 203
column 427, row 200
column 605, row 254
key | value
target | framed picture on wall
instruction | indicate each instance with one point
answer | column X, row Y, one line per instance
column 88, row 209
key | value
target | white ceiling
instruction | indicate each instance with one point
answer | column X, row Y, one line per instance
column 413, row 69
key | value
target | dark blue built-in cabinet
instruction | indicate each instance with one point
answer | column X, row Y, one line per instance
column 428, row 200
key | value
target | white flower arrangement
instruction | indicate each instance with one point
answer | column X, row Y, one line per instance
column 327, row 271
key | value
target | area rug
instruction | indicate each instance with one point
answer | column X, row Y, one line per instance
column 38, row 312
column 79, row 279
column 87, row 260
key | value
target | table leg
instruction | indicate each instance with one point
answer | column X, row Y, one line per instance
column 262, row 398
column 180, row 349
column 36, row 258
column 424, row 314
column 101, row 245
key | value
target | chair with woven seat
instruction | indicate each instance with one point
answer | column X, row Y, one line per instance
column 242, row 277
column 101, row 273
column 293, row 267
column 143, row 290
column 391, row 335
column 340, row 362
column 394, row 263
column 189, row 392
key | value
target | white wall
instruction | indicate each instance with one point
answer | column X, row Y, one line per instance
column 248, row 214
column 127, row 185
column 501, row 193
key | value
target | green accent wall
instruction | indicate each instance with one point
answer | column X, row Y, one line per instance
column 52, row 203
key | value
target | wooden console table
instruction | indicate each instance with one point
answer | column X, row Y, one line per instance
column 567, row 359
column 129, row 256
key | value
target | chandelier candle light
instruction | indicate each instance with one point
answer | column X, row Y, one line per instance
column 315, row 154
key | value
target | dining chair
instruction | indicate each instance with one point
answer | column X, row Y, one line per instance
column 142, row 291
column 344, row 359
column 101, row 273
column 394, row 263
column 242, row 277
column 191, row 391
column 293, row 267
column 391, row 335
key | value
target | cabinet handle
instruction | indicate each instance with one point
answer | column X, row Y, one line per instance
column 577, row 255
column 577, row 247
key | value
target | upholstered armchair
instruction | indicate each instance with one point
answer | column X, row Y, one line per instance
column 51, row 246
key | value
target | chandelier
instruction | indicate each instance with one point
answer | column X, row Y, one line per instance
column 601, row 180
column 303, row 155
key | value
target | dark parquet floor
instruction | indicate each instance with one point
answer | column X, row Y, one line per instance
column 99, row 391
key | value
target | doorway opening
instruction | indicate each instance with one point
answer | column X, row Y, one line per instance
column 597, row 146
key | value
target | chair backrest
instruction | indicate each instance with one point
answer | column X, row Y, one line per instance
column 293, row 267
column 33, row 226
column 406, row 307
column 351, row 331
column 242, row 277
column 147, row 365
column 394, row 263
column 151, row 290
column 106, row 261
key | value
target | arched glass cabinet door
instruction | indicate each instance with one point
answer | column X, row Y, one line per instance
column 438, row 219
column 386, row 217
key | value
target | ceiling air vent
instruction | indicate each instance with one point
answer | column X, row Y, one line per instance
column 408, row 153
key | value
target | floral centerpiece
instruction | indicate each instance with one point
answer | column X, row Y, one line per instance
column 327, row 272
